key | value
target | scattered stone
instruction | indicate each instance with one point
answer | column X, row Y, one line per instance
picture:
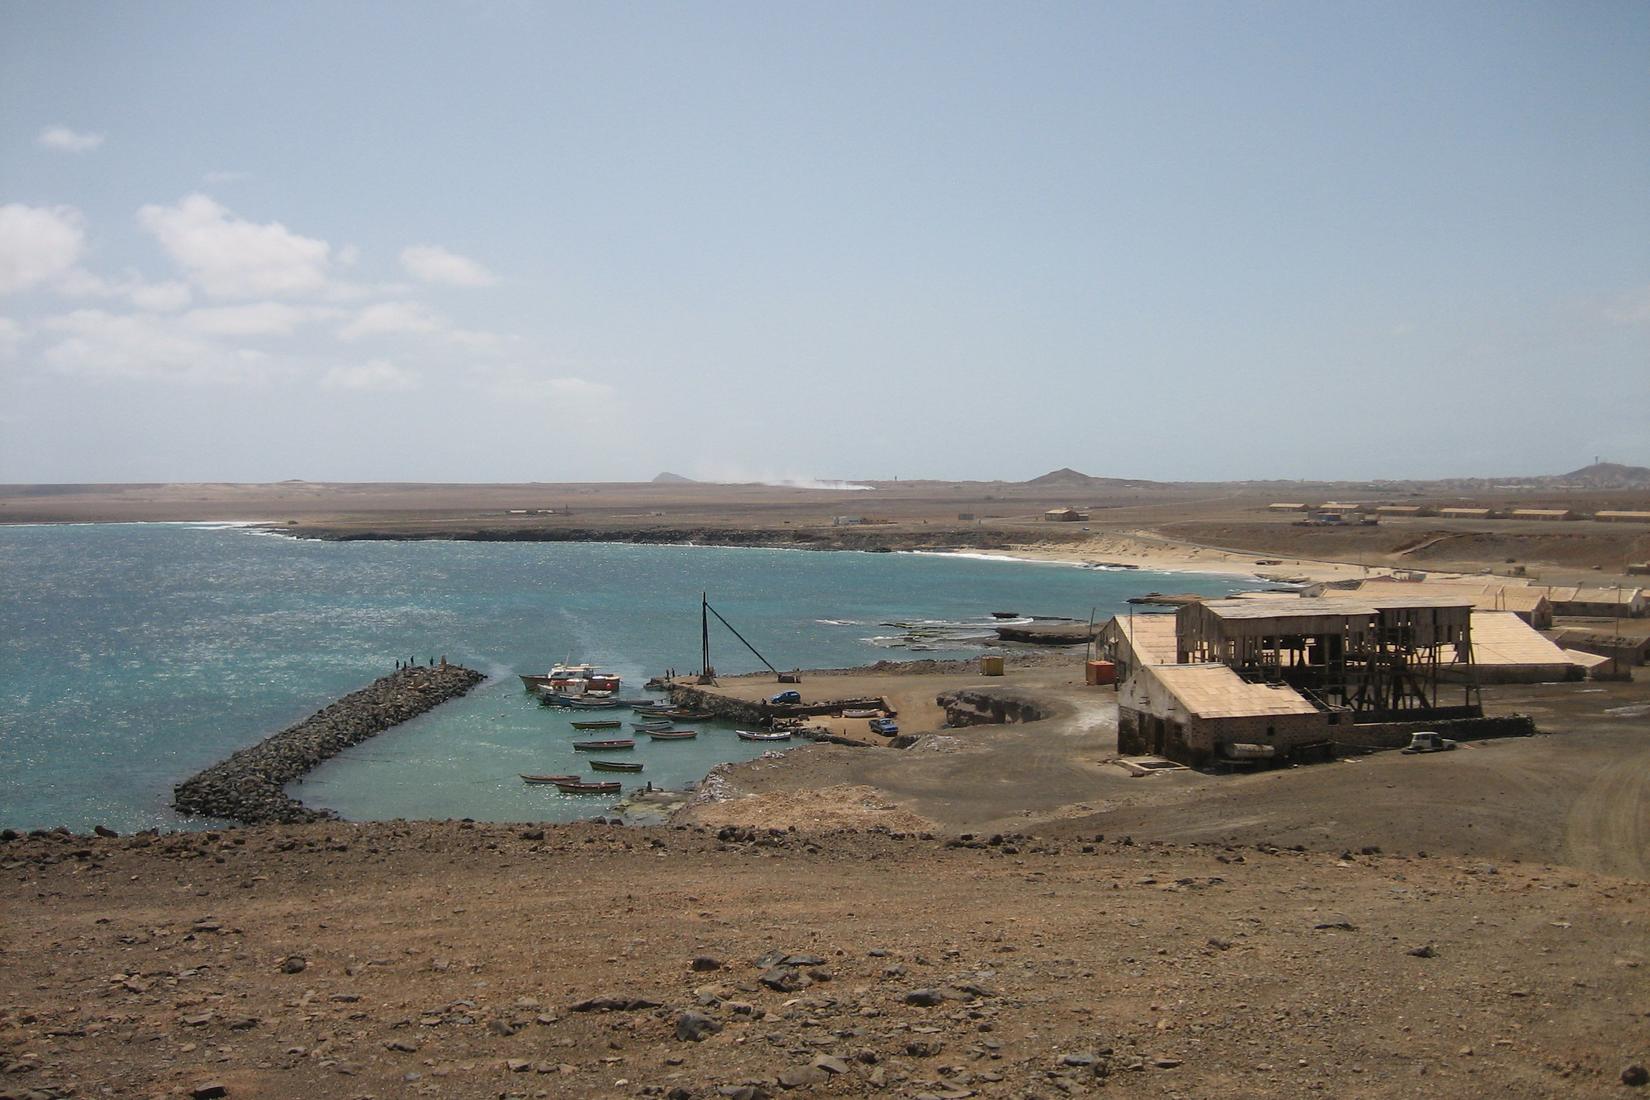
column 830, row 1064
column 1166, row 1063
column 924, row 1048
column 925, row 998
column 104, row 831
column 612, row 1004
column 705, row 963
column 212, row 1090
column 294, row 964
column 501, row 1027
column 692, row 1027
column 1635, row 1076
column 802, row 1075
column 1425, row 951
column 784, row 979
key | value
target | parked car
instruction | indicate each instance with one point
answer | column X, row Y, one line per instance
column 1429, row 742
column 787, row 697
column 885, row 726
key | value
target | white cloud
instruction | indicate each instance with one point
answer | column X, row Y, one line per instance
column 391, row 318
column 141, row 345
column 11, row 338
column 64, row 140
column 375, row 375
column 159, row 297
column 229, row 257
column 1631, row 308
column 37, row 244
column 434, row 264
column 256, row 319
column 349, row 255
column 517, row 383
column 576, row 389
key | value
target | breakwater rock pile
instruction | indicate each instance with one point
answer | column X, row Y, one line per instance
column 248, row 787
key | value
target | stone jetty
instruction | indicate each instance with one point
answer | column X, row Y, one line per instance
column 248, row 787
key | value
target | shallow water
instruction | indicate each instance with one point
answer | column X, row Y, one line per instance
column 133, row 655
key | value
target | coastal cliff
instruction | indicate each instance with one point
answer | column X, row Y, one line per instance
column 248, row 787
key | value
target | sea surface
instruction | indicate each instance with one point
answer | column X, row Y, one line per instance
column 133, row 655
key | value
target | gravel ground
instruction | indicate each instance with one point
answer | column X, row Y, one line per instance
column 461, row 960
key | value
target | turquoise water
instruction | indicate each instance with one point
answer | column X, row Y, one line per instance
column 133, row 655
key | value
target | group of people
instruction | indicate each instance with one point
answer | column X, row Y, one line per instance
column 412, row 662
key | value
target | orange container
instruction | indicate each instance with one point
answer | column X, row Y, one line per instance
column 1102, row 672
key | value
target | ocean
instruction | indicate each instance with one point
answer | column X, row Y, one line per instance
column 133, row 655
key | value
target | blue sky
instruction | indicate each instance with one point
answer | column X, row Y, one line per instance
column 519, row 241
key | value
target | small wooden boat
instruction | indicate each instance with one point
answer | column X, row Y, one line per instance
column 604, row 746
column 672, row 735
column 549, row 778
column 850, row 714
column 615, row 766
column 581, row 703
column 760, row 735
column 609, row 724
column 654, row 712
column 653, row 724
column 606, row 786
column 690, row 715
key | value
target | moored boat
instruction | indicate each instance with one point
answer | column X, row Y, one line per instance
column 672, row 735
column 615, row 745
column 606, row 786
column 607, row 724
column 549, row 778
column 572, row 679
column 615, row 766
column 761, row 735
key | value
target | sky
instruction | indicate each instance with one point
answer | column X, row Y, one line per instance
column 520, row 241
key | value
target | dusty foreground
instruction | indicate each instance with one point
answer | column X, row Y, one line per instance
column 462, row 960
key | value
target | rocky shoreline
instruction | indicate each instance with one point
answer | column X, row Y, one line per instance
column 871, row 539
column 248, row 787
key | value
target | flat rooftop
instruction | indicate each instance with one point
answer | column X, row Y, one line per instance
column 1215, row 691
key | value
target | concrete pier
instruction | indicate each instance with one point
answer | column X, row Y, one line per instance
column 248, row 787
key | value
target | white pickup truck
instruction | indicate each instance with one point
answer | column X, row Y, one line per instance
column 1429, row 742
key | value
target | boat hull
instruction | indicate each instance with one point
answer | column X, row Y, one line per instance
column 604, row 746
column 754, row 735
column 609, row 787
column 614, row 766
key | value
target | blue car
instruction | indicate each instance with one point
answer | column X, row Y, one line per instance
column 884, row 726
column 787, row 697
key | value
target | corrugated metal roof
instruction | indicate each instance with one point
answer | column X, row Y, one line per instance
column 1585, row 660
column 1501, row 638
column 1642, row 516
column 1488, row 597
column 1152, row 637
column 1215, row 691
column 1319, row 606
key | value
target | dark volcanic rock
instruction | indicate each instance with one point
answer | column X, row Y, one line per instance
column 248, row 786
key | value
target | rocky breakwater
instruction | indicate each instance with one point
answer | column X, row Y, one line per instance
column 248, row 787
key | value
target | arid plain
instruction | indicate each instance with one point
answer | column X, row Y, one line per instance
column 995, row 912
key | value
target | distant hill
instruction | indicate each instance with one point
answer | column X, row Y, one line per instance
column 1606, row 475
column 668, row 478
column 1067, row 478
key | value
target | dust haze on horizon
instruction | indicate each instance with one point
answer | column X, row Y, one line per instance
column 505, row 242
